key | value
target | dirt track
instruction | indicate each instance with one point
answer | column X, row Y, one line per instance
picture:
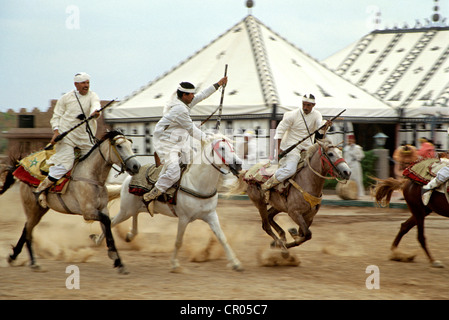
column 333, row 264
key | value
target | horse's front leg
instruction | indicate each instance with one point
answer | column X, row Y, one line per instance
column 132, row 233
column 304, row 232
column 182, row 225
column 272, row 212
column 112, row 250
column 214, row 223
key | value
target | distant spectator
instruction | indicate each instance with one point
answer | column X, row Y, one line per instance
column 353, row 154
column 403, row 157
column 427, row 149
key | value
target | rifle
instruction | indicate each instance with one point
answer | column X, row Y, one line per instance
column 283, row 153
column 62, row 135
column 217, row 125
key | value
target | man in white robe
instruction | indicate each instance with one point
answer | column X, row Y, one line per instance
column 295, row 126
column 71, row 108
column 353, row 154
column 173, row 130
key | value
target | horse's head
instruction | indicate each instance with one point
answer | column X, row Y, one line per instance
column 332, row 159
column 122, row 153
column 223, row 155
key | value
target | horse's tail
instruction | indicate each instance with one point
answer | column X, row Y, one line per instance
column 239, row 186
column 6, row 177
column 384, row 188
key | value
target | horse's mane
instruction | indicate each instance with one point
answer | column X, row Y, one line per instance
column 108, row 135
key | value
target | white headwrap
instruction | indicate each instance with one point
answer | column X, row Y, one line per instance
column 185, row 89
column 81, row 77
column 310, row 100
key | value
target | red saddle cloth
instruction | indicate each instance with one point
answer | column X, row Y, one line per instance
column 422, row 171
column 24, row 176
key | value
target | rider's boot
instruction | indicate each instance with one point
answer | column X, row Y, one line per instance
column 270, row 183
column 149, row 197
column 426, row 191
column 267, row 185
column 40, row 191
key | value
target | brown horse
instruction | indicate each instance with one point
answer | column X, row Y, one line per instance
column 412, row 195
column 86, row 194
column 303, row 199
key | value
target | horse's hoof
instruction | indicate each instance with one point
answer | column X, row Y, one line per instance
column 285, row 254
column 94, row 237
column 37, row 268
column 177, row 269
column 129, row 237
column 437, row 264
column 238, row 267
column 123, row 270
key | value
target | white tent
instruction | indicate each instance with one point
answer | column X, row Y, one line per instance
column 407, row 68
column 265, row 70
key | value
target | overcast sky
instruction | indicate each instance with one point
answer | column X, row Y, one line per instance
column 124, row 45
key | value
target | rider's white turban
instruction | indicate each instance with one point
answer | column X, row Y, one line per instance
column 310, row 98
column 81, row 77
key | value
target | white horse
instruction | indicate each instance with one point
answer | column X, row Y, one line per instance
column 86, row 194
column 197, row 197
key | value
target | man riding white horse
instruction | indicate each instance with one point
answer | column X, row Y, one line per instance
column 70, row 109
column 172, row 131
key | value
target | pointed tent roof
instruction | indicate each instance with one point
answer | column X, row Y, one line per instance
column 264, row 70
column 407, row 68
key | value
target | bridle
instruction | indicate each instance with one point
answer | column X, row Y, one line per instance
column 324, row 159
column 215, row 149
column 114, row 142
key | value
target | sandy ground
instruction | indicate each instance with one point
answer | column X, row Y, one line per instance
column 335, row 264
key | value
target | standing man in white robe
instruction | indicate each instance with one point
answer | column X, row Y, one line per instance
column 353, row 154
column 71, row 108
column 173, row 130
column 295, row 126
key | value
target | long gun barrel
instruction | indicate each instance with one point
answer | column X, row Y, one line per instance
column 283, row 153
column 62, row 135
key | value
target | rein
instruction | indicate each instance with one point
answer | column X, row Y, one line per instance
column 113, row 143
column 123, row 162
column 215, row 149
column 324, row 158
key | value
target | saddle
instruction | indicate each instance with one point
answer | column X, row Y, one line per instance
column 261, row 172
column 422, row 171
column 34, row 168
column 145, row 180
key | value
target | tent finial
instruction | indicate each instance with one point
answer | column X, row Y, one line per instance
column 249, row 5
column 436, row 15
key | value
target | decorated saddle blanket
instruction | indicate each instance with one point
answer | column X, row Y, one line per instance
column 261, row 172
column 145, row 180
column 34, row 168
column 425, row 170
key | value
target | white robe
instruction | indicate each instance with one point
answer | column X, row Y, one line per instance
column 353, row 154
column 64, row 117
column 171, row 134
column 291, row 130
